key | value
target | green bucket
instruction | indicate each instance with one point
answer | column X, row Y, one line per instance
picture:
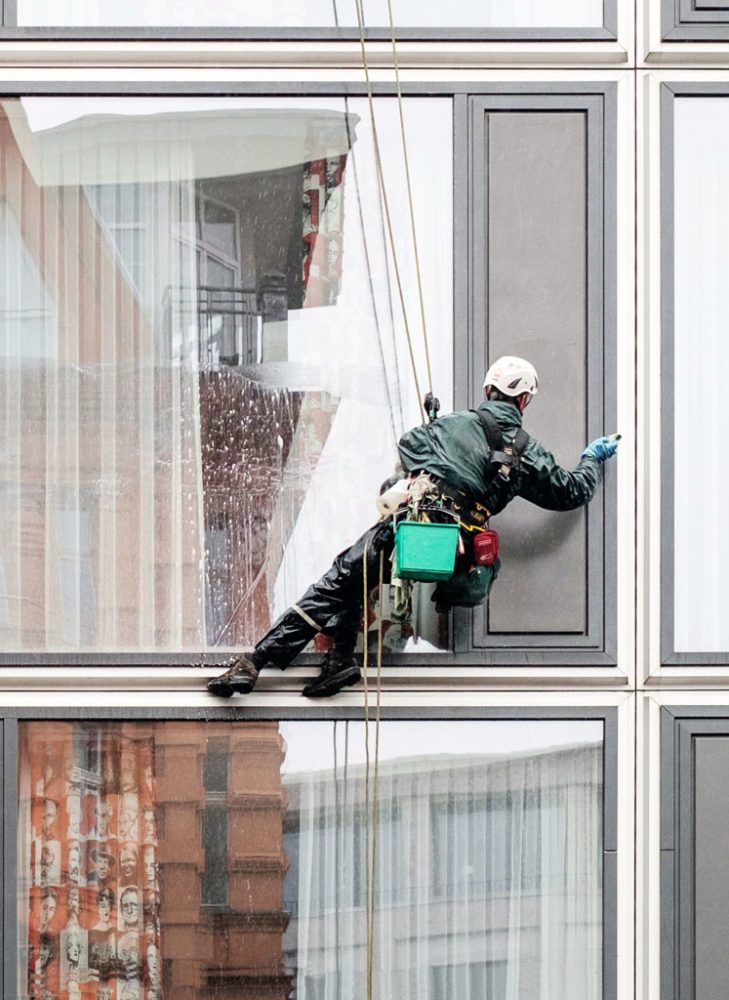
column 425, row 551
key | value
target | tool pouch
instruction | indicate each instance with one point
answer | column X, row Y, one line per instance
column 485, row 548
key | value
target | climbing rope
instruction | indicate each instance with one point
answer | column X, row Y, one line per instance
column 372, row 808
column 416, row 254
column 386, row 205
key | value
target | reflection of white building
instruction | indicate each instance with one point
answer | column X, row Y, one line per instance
column 488, row 877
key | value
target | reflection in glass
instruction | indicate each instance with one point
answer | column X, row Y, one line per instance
column 203, row 365
column 312, row 13
column 487, row 880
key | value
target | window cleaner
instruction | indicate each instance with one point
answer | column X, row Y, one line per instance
column 465, row 466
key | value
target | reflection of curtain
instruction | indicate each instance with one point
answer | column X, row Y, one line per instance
column 488, row 878
column 88, row 863
column 102, row 541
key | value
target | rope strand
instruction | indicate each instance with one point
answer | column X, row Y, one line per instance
column 386, row 205
column 406, row 158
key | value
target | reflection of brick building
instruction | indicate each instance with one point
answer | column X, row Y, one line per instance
column 222, row 909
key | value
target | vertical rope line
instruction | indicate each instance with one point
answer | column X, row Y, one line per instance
column 386, row 205
column 337, row 866
column 371, row 284
column 376, row 781
column 368, row 883
column 416, row 254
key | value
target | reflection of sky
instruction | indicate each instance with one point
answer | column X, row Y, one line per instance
column 310, row 745
column 701, row 149
column 311, row 13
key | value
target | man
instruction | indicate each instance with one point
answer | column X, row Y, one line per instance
column 103, row 813
column 48, row 819
column 457, row 454
column 74, row 862
column 128, row 863
column 129, row 909
column 48, row 906
column 104, row 906
column 103, row 862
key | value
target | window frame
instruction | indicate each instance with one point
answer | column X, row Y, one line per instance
column 694, row 21
column 599, row 104
column 598, row 650
column 11, row 31
column 679, row 725
column 10, row 718
column 669, row 657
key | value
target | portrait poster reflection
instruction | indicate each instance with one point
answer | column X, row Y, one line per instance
column 88, row 864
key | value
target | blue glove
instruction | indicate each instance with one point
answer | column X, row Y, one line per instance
column 602, row 448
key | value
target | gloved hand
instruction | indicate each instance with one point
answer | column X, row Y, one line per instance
column 602, row 448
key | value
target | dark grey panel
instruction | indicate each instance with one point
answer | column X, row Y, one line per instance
column 542, row 284
column 711, row 866
column 694, row 862
column 535, row 306
column 695, row 20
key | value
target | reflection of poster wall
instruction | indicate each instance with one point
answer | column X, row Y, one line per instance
column 87, row 808
column 322, row 219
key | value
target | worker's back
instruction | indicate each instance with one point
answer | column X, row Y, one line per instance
column 455, row 448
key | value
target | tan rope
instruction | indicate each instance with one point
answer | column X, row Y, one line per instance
column 372, row 811
column 410, row 198
column 385, row 202
column 369, row 886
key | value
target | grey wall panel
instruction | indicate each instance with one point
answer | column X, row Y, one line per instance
column 535, row 305
column 711, row 765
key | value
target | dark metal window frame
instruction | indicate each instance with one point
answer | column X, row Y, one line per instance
column 10, row 718
column 679, row 728
column 598, row 99
column 695, row 20
column 669, row 656
column 11, row 31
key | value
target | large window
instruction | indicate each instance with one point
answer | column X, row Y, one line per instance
column 203, row 331
column 562, row 18
column 696, row 312
column 199, row 335
column 487, row 871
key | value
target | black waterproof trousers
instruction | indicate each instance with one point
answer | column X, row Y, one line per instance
column 335, row 602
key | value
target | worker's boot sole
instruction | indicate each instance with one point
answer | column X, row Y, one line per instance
column 324, row 687
column 237, row 680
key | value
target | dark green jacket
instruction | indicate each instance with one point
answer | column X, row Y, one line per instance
column 455, row 449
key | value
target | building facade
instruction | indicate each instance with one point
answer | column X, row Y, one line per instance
column 238, row 242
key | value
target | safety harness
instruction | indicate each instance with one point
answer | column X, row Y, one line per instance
column 504, row 459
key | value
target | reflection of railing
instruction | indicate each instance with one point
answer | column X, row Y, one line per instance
column 226, row 321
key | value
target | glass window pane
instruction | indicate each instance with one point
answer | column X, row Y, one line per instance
column 701, row 305
column 198, row 325
column 134, row 874
column 312, row 13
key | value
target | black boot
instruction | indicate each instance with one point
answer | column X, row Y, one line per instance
column 340, row 670
column 239, row 678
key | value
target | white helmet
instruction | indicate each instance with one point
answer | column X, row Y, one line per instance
column 512, row 376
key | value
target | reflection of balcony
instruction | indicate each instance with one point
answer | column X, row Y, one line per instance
column 226, row 320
